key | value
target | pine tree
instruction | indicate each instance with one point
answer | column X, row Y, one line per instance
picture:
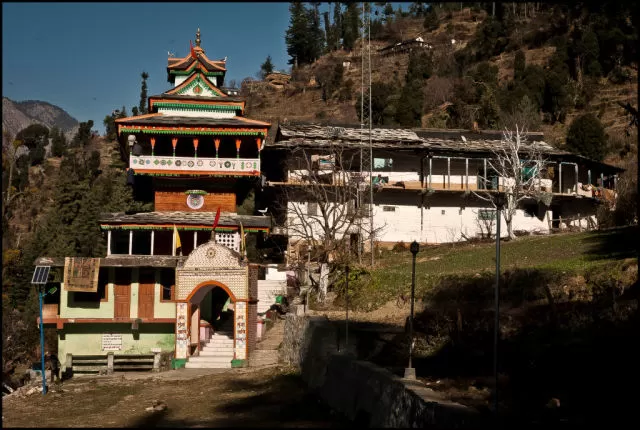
column 266, row 67
column 135, row 111
column 317, row 38
column 297, row 35
column 58, row 143
column 351, row 26
column 409, row 110
column 431, row 21
column 337, row 26
column 142, row 108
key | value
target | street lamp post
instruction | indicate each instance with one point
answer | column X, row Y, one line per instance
column 44, row 377
column 346, row 336
column 410, row 372
column 500, row 201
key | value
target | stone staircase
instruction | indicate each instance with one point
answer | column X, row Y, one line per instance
column 217, row 353
column 266, row 352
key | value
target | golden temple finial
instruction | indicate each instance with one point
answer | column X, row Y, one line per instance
column 198, row 37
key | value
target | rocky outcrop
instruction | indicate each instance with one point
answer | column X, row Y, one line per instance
column 19, row 115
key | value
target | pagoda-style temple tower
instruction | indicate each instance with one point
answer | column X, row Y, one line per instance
column 168, row 281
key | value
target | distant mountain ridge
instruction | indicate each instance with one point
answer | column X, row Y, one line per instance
column 17, row 115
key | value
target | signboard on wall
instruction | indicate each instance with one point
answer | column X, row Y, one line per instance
column 182, row 334
column 111, row 342
column 241, row 330
column 81, row 274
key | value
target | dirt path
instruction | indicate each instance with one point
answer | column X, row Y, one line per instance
column 263, row 397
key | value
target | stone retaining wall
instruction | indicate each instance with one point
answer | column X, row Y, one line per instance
column 363, row 392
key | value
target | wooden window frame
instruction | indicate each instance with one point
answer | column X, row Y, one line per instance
column 173, row 294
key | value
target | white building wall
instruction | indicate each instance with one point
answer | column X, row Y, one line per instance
column 179, row 80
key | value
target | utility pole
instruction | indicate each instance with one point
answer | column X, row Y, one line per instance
column 366, row 150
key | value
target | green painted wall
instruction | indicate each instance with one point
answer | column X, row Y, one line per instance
column 86, row 339
column 162, row 309
column 205, row 309
column 68, row 309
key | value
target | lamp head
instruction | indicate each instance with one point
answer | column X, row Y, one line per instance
column 131, row 139
column 414, row 247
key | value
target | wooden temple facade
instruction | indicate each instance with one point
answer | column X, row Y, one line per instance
column 168, row 282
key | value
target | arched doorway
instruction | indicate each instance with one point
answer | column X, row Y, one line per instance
column 211, row 313
column 209, row 268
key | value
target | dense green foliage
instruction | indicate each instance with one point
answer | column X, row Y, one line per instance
column 142, row 107
column 586, row 136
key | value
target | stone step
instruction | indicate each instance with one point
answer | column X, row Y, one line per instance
column 205, row 365
column 211, row 358
column 217, row 348
column 226, row 353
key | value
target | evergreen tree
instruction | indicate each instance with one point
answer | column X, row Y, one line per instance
column 142, row 108
column 589, row 50
column 266, row 67
column 297, row 35
column 586, row 137
column 317, row 38
column 351, row 26
column 33, row 135
column 58, row 142
column 83, row 136
column 134, row 111
column 409, row 110
column 431, row 21
column 418, row 9
column 328, row 32
column 337, row 26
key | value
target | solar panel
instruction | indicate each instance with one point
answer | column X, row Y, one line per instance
column 40, row 275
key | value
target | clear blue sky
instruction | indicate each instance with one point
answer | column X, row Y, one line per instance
column 87, row 57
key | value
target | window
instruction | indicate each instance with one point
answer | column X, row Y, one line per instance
column 312, row 208
column 486, row 214
column 167, row 285
column 442, row 212
column 382, row 164
column 388, row 208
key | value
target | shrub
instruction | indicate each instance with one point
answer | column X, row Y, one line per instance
column 400, row 247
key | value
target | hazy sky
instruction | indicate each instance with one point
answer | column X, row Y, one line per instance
column 87, row 57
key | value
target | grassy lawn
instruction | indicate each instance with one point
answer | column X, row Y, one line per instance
column 568, row 253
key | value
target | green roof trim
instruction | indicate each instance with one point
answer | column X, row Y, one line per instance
column 199, row 81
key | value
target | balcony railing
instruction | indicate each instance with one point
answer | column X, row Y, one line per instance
column 193, row 165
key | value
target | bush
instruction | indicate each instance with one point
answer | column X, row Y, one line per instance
column 586, row 137
column 400, row 247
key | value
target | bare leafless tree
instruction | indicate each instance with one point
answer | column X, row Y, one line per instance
column 519, row 166
column 321, row 204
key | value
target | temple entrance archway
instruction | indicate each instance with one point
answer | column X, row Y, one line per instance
column 213, row 282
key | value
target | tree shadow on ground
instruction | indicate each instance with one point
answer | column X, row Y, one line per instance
column 281, row 402
column 617, row 243
column 581, row 351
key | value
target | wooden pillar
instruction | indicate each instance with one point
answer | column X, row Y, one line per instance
column 602, row 180
column 153, row 238
column 576, row 170
column 430, row 169
column 130, row 242
column 560, row 178
column 589, row 176
column 173, row 245
column 153, row 146
column 174, row 143
column 238, row 142
column 259, row 143
column 217, row 143
column 466, row 172
column 195, row 147
column 195, row 239
column 109, row 363
column 448, row 173
column 108, row 243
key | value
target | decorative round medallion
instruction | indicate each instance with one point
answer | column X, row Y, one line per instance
column 199, row 162
column 197, row 89
column 211, row 253
column 190, row 164
column 195, row 201
column 227, row 164
column 178, row 163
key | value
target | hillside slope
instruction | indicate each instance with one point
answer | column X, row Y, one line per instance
column 19, row 115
